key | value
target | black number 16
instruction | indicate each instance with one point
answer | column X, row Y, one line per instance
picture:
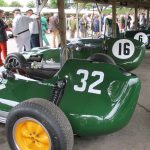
column 124, row 49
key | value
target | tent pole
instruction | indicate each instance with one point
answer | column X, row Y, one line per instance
column 39, row 22
column 100, row 23
column 77, row 19
column 114, row 20
column 136, row 17
column 147, row 17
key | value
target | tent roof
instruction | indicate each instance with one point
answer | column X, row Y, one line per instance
column 122, row 3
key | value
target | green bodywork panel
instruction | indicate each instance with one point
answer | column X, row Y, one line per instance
column 132, row 62
column 92, row 46
column 45, row 52
column 23, row 89
column 95, row 114
column 131, row 34
column 98, row 98
column 48, row 53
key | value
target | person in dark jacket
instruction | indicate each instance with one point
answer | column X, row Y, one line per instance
column 96, row 25
column 3, row 37
column 54, row 30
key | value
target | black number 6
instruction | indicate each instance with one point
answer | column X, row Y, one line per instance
column 140, row 38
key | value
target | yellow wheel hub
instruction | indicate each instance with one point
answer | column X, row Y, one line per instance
column 29, row 134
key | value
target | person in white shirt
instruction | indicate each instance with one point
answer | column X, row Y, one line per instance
column 142, row 21
column 21, row 30
column 34, row 29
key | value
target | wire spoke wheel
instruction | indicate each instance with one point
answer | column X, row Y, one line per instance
column 15, row 60
column 14, row 63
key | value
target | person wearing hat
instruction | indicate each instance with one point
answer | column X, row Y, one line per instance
column 3, row 37
column 21, row 30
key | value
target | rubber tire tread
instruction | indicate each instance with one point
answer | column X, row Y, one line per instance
column 48, row 110
column 19, row 57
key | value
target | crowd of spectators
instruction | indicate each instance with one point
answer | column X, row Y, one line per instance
column 94, row 24
column 25, row 28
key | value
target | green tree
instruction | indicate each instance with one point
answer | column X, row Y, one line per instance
column 87, row 6
column 3, row 3
column 31, row 4
column 15, row 4
column 53, row 3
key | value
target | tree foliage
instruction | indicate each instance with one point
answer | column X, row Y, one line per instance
column 85, row 6
column 3, row 3
column 31, row 4
column 119, row 11
column 53, row 3
column 81, row 6
column 15, row 4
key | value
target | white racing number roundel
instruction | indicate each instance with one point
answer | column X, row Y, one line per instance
column 123, row 49
column 142, row 37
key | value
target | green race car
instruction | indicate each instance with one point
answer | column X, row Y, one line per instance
column 44, row 107
column 140, row 35
column 126, row 53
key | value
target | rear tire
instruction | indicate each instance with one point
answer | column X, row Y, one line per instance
column 99, row 57
column 15, row 60
column 40, row 113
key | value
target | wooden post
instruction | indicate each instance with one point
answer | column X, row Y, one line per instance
column 147, row 17
column 77, row 19
column 62, row 30
column 114, row 20
column 136, row 17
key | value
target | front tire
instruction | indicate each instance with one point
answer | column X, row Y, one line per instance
column 38, row 124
